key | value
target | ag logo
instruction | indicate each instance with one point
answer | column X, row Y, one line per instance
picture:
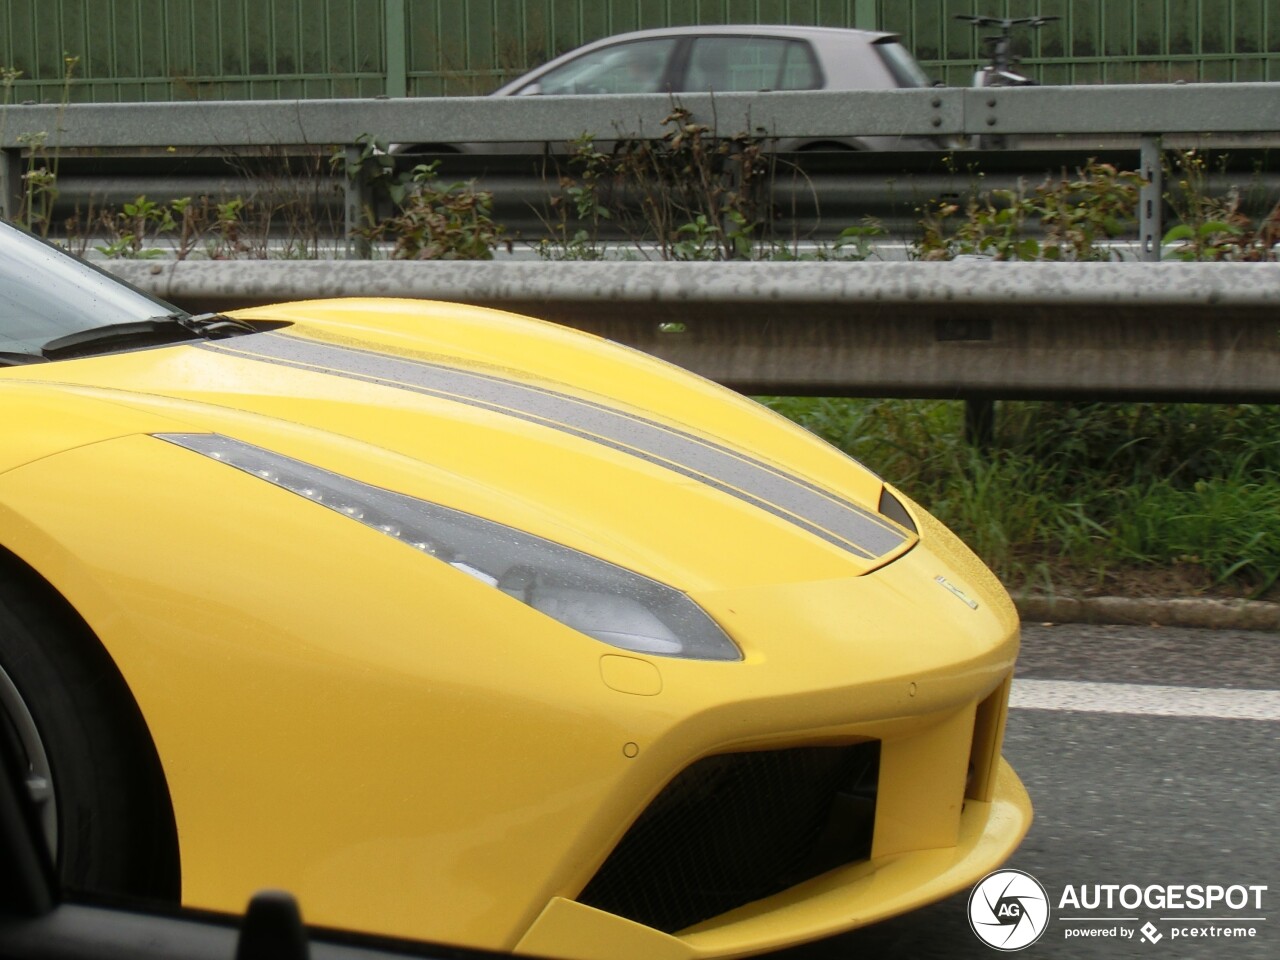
column 1008, row 910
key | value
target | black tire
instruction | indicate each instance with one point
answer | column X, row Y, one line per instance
column 61, row 695
column 828, row 146
column 439, row 149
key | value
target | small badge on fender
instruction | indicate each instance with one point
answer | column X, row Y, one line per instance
column 972, row 604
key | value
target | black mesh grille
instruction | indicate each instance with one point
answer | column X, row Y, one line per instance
column 735, row 828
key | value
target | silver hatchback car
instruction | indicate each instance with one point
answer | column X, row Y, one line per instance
column 725, row 59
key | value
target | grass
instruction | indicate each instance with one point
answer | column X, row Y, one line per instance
column 1085, row 498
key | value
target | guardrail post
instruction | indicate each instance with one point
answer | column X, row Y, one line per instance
column 358, row 197
column 1151, row 199
column 980, row 422
column 10, row 183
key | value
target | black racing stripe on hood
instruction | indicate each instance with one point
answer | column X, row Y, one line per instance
column 792, row 498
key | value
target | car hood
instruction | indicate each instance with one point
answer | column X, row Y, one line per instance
column 548, row 430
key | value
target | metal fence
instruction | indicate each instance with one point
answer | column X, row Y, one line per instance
column 135, row 50
column 1116, row 41
column 1140, row 113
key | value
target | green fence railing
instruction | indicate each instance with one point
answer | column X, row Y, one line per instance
column 1116, row 41
column 131, row 50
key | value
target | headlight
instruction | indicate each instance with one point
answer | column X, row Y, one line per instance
column 593, row 596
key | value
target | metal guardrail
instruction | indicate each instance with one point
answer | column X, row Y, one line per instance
column 1127, row 109
column 1149, row 112
column 967, row 329
column 970, row 330
column 812, row 197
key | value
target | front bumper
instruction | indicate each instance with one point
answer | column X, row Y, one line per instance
column 839, row 900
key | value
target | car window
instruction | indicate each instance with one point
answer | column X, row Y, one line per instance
column 636, row 67
column 46, row 294
column 728, row 64
column 906, row 71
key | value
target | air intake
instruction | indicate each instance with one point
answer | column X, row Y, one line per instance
column 737, row 827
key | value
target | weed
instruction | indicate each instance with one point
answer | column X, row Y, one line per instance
column 40, row 181
column 289, row 211
column 134, row 225
column 39, row 184
column 853, row 243
column 435, row 221
column 578, row 211
column 1068, row 218
column 1214, row 227
column 690, row 193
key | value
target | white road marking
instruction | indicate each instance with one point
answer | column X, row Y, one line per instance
column 1143, row 700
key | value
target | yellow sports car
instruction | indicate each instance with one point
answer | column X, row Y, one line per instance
column 464, row 626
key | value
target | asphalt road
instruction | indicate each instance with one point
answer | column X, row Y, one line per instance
column 1163, row 771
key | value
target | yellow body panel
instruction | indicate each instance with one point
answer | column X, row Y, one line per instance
column 413, row 752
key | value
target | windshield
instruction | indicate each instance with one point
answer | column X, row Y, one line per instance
column 46, row 293
column 902, row 64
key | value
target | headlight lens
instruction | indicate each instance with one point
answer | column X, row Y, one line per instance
column 592, row 596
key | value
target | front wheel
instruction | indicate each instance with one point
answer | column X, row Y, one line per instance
column 91, row 768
